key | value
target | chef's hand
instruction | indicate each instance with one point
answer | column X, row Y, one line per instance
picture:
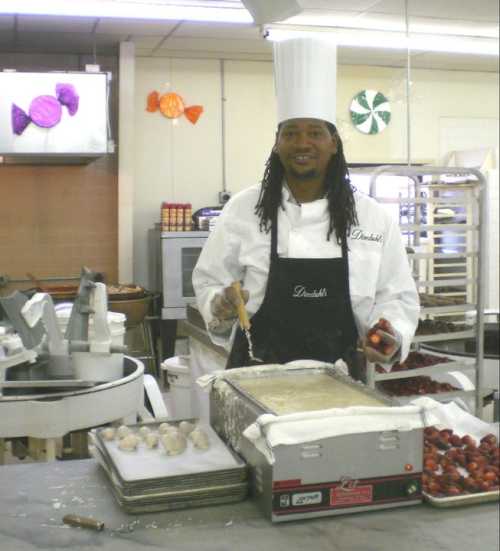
column 224, row 305
column 382, row 342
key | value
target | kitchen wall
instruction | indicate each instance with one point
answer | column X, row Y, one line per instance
column 55, row 219
column 181, row 162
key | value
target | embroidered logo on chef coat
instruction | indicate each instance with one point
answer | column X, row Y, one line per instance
column 300, row 291
column 357, row 234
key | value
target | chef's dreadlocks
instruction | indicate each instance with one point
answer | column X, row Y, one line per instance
column 339, row 192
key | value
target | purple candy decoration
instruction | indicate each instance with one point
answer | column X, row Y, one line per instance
column 45, row 111
column 20, row 119
column 67, row 95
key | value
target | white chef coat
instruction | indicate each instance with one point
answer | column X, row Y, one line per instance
column 380, row 280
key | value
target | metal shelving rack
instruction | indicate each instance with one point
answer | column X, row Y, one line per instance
column 456, row 248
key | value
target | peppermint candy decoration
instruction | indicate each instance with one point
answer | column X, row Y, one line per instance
column 370, row 111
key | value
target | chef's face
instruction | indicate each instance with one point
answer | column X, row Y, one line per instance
column 305, row 147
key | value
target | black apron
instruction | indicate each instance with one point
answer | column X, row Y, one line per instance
column 306, row 312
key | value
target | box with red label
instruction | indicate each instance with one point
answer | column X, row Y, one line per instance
column 350, row 473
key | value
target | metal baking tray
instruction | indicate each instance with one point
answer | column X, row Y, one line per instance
column 142, row 469
column 188, row 503
column 142, row 483
column 170, row 500
column 466, row 499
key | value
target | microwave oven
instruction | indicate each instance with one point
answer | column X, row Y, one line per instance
column 176, row 258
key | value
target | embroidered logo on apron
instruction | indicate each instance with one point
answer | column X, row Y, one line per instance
column 300, row 291
column 360, row 235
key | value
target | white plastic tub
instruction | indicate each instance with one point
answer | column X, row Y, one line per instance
column 116, row 323
column 178, row 371
column 204, row 361
column 90, row 366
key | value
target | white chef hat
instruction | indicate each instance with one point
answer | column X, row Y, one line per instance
column 305, row 78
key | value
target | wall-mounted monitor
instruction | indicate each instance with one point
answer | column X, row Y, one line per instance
column 53, row 114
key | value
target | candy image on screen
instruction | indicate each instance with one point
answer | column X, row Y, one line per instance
column 45, row 111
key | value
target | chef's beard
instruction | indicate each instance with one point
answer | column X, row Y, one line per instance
column 304, row 176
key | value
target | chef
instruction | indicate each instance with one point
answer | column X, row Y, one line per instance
column 319, row 263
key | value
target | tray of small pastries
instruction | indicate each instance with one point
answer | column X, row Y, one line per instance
column 170, row 465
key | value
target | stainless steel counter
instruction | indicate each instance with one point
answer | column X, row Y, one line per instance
column 35, row 497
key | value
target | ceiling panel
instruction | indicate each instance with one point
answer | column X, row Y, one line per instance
column 325, row 18
column 386, row 21
column 135, row 26
column 483, row 10
column 144, row 52
column 217, row 46
column 190, row 39
column 67, row 43
column 206, row 3
column 350, row 5
column 217, row 30
column 435, row 61
column 32, row 23
column 455, row 26
column 367, row 56
column 455, row 62
column 145, row 42
column 395, row 22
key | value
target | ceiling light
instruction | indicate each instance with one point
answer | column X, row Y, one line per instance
column 392, row 40
column 125, row 10
column 454, row 44
column 373, row 22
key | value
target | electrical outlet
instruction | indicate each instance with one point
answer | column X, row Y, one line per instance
column 224, row 197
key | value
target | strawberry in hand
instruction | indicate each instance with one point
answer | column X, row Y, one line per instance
column 382, row 342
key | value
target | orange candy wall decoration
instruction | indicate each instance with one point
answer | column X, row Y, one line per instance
column 172, row 106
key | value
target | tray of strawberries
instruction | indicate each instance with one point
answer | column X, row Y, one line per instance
column 460, row 470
